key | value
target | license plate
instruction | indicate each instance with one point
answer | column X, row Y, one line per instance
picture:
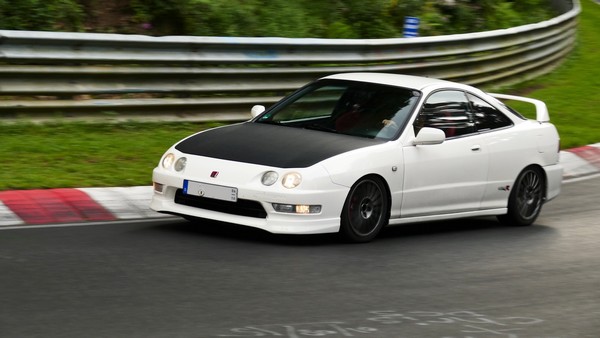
column 218, row 192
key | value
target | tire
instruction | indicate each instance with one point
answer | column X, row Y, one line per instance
column 366, row 210
column 526, row 198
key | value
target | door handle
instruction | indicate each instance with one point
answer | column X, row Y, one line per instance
column 476, row 148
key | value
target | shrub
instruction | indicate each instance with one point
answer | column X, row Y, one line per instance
column 284, row 18
column 44, row 15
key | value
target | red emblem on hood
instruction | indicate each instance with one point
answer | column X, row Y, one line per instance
column 214, row 174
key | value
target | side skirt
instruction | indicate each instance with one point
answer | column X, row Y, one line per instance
column 429, row 218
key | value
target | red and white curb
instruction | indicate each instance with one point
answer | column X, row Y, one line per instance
column 581, row 161
column 62, row 206
column 53, row 206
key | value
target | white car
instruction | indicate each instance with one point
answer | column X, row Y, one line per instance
column 352, row 153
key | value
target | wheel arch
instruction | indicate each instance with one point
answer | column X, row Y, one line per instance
column 386, row 185
column 526, row 198
column 366, row 209
column 543, row 173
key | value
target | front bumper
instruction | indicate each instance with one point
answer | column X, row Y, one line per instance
column 330, row 196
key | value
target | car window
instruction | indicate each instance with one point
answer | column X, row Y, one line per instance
column 486, row 116
column 313, row 104
column 346, row 107
column 449, row 111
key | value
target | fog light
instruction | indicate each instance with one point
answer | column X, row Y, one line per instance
column 310, row 209
column 297, row 208
column 158, row 187
column 289, row 208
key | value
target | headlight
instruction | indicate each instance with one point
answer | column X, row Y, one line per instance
column 180, row 164
column 291, row 180
column 168, row 160
column 269, row 178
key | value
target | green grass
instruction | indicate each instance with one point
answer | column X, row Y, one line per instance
column 85, row 155
column 61, row 155
column 572, row 92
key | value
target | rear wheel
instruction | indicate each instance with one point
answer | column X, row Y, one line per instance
column 526, row 198
column 365, row 211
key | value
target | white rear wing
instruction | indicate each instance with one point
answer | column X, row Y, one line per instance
column 541, row 111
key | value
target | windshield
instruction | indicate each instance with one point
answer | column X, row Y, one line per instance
column 346, row 107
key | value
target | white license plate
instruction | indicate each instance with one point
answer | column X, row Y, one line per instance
column 210, row 191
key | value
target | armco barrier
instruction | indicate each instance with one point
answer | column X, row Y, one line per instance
column 219, row 78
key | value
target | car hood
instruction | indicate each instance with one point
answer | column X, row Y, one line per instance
column 271, row 145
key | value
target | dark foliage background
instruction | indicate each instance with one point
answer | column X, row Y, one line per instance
column 256, row 18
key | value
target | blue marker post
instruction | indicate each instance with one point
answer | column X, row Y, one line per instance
column 411, row 27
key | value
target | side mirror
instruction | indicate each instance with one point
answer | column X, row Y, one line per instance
column 257, row 110
column 429, row 136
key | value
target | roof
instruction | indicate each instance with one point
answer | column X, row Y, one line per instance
column 406, row 81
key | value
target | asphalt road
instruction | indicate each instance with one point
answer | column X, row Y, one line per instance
column 471, row 278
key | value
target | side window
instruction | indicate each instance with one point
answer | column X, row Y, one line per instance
column 447, row 110
column 486, row 116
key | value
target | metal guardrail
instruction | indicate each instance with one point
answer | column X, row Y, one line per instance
column 78, row 75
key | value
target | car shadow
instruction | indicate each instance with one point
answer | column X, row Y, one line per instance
column 475, row 229
column 235, row 232
column 439, row 227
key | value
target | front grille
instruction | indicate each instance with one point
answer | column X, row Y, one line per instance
column 241, row 207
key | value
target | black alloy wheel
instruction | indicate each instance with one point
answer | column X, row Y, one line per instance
column 526, row 198
column 365, row 211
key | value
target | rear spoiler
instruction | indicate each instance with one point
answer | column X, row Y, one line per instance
column 541, row 111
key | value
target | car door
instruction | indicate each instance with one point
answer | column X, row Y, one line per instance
column 502, row 142
column 451, row 176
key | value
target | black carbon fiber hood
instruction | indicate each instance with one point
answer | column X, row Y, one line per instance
column 271, row 145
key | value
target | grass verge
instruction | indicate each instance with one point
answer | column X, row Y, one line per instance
column 63, row 155
column 571, row 91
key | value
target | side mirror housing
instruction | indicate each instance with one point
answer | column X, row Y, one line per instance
column 430, row 136
column 257, row 110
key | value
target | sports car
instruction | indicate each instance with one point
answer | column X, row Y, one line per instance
column 352, row 153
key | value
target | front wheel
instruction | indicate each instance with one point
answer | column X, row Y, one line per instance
column 526, row 198
column 365, row 211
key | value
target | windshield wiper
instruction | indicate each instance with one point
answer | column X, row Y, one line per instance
column 320, row 127
column 268, row 122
